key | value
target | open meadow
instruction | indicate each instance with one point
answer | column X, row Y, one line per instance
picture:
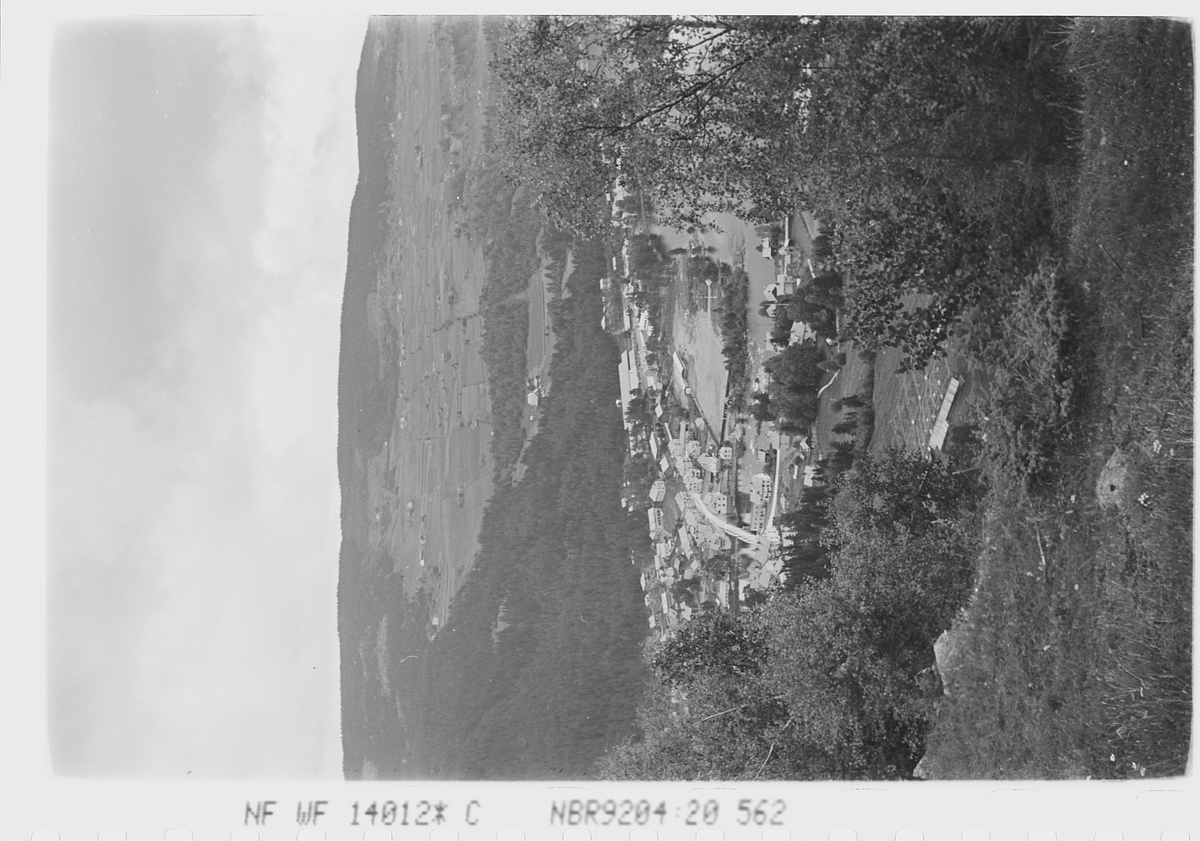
column 1074, row 656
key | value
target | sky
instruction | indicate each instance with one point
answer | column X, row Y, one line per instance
column 200, row 178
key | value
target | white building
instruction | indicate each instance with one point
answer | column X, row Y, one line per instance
column 627, row 374
column 685, row 545
column 800, row 332
column 758, row 517
column 717, row 502
column 761, row 484
column 658, row 491
column 655, row 516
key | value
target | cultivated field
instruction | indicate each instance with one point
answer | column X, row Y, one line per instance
column 437, row 459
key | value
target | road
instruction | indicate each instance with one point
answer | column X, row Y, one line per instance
column 758, row 543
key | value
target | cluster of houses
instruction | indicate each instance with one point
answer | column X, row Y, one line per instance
column 692, row 516
column 773, row 246
column 535, row 389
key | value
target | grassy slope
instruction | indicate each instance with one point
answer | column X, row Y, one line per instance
column 1077, row 645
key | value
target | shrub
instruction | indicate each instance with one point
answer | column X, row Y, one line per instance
column 1032, row 388
column 846, row 427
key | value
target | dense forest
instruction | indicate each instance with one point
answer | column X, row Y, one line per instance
column 539, row 668
column 503, row 217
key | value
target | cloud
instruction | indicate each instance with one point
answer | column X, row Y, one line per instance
column 193, row 597
column 305, row 135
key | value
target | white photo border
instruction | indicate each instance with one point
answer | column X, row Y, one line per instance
column 32, row 799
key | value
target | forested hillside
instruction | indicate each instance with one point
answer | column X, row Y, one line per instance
column 503, row 217
column 539, row 668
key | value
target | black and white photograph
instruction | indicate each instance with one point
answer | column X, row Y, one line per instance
column 620, row 398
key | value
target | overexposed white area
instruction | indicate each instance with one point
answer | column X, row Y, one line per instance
column 201, row 177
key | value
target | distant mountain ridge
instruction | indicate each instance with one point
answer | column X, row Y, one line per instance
column 367, row 381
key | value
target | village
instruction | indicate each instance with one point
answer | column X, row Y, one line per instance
column 712, row 480
column 714, row 498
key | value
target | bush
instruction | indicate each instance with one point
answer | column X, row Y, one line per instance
column 846, row 653
column 1032, row 388
column 846, row 427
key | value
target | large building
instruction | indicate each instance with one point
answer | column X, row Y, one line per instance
column 655, row 516
column 761, row 484
column 627, row 374
column 758, row 517
column 658, row 491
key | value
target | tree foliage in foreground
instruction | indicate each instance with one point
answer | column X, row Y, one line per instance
column 924, row 140
column 828, row 680
column 693, row 109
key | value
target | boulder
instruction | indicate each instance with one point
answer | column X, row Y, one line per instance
column 947, row 658
column 1112, row 488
